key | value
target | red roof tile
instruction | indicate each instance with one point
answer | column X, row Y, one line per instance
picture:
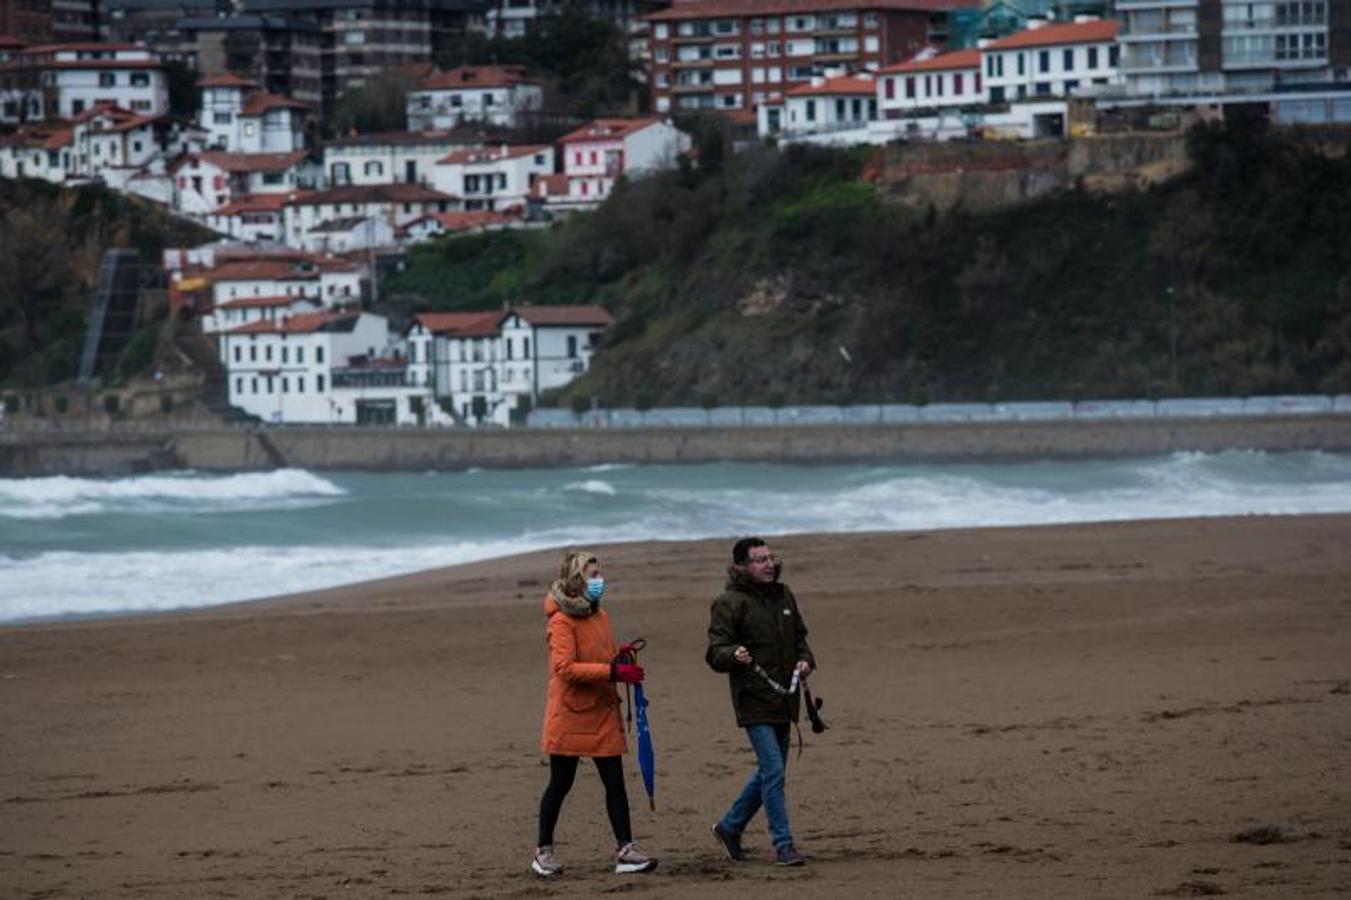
column 564, row 315
column 248, row 162
column 475, row 77
column 260, row 102
column 943, row 62
column 461, row 324
column 254, row 203
column 400, row 192
column 849, row 85
column 1055, row 35
column 301, row 323
column 226, row 79
column 607, row 130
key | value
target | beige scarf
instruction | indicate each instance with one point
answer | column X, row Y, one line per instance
column 569, row 591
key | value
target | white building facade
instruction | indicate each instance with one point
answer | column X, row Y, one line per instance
column 1051, row 60
column 497, row 177
column 491, row 95
column 60, row 81
column 595, row 155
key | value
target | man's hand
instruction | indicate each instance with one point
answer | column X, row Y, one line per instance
column 742, row 655
column 804, row 668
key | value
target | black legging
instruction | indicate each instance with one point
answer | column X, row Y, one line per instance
column 562, row 771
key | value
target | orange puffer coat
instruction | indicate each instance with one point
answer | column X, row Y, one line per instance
column 582, row 716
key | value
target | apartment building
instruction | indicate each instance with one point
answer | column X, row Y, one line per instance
column 361, row 38
column 1051, row 60
column 1185, row 47
column 61, row 81
column 280, row 52
column 732, row 55
column 493, row 95
column 29, row 21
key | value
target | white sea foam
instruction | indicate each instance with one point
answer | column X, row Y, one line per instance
column 591, row 486
column 656, row 503
column 61, row 496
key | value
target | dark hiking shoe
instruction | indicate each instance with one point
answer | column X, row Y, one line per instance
column 788, row 856
column 731, row 843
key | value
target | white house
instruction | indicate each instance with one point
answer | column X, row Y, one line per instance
column 240, row 286
column 210, row 179
column 1051, row 60
column 489, row 365
column 44, row 151
column 250, row 218
column 948, row 80
column 835, row 105
column 335, row 367
column 390, row 157
column 241, row 118
column 545, row 347
column 60, row 81
column 346, row 234
column 435, row 225
column 392, row 204
column 603, row 150
column 232, row 314
column 494, row 95
column 496, row 177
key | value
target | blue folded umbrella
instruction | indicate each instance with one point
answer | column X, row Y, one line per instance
column 647, row 763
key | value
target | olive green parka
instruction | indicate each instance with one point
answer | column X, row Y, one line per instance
column 764, row 619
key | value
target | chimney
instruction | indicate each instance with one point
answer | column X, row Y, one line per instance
column 1034, row 24
column 1085, row 17
column 982, row 43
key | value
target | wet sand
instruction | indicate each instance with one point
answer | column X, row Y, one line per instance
column 1123, row 710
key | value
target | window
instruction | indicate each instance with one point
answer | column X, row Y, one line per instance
column 140, row 79
column 319, row 357
column 267, row 353
column 1067, row 59
column 300, row 354
column 890, row 88
column 525, row 348
column 957, row 83
column 253, row 354
column 1044, row 61
column 374, row 168
column 319, row 384
column 811, row 111
column 285, row 385
column 254, row 385
column 239, row 385
column 239, row 353
column 283, row 354
column 107, row 79
column 222, row 118
column 1092, row 57
column 1022, row 64
column 300, row 384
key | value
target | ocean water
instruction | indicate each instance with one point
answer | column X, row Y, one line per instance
column 79, row 546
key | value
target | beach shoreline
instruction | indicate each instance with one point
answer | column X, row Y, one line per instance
column 1045, row 711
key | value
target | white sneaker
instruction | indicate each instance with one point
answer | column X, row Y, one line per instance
column 629, row 858
column 543, row 864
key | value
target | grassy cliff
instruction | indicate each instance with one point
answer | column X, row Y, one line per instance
column 781, row 276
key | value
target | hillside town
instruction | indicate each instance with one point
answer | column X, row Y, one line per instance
column 306, row 225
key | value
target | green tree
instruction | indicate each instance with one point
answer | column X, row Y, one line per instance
column 377, row 105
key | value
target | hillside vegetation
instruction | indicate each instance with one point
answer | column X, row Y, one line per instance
column 51, row 242
column 780, row 277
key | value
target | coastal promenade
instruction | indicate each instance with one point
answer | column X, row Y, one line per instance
column 121, row 452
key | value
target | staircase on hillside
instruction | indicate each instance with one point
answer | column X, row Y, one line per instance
column 112, row 312
column 200, row 352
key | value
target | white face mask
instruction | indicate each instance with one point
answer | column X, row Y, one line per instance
column 595, row 588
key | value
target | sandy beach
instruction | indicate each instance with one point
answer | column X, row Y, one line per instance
column 1125, row 710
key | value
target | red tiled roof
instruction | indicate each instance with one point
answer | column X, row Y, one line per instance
column 1054, row 35
column 9, row 42
column 225, row 79
column 269, row 301
column 469, row 219
column 607, row 130
column 550, row 186
column 57, row 139
column 845, row 84
column 461, row 324
column 711, row 9
column 260, row 102
column 400, row 138
column 300, row 323
column 253, row 203
column 400, row 192
column 958, row 59
column 475, row 77
column 248, row 162
column 563, row 315
column 493, row 154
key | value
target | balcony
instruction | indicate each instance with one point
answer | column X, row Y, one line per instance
column 693, row 63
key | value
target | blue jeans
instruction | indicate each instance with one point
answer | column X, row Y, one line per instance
column 770, row 743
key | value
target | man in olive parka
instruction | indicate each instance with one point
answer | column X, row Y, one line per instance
column 755, row 622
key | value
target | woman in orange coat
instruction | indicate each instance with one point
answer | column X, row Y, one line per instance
column 582, row 715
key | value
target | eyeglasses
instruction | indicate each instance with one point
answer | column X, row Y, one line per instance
column 757, row 560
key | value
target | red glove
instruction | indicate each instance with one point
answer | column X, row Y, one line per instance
column 625, row 673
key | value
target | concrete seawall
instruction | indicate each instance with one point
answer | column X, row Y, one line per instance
column 35, row 454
